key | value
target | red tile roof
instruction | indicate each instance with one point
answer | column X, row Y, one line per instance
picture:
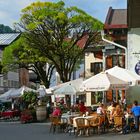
column 116, row 18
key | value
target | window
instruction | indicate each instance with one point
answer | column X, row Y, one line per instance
column 117, row 60
column 96, row 67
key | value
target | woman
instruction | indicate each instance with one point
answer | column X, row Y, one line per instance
column 100, row 109
column 56, row 112
column 118, row 111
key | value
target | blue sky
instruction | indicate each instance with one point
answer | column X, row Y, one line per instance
column 10, row 9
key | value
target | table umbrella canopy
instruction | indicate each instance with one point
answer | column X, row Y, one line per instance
column 6, row 96
column 103, row 82
column 125, row 75
column 20, row 91
column 66, row 89
column 41, row 91
column 75, row 83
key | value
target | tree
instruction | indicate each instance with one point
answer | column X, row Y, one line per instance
column 57, row 33
column 19, row 55
column 5, row 29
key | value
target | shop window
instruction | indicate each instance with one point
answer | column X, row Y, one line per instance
column 96, row 67
column 96, row 97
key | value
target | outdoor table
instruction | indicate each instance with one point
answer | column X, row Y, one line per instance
column 67, row 116
column 86, row 118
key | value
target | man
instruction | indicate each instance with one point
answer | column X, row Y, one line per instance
column 82, row 108
column 136, row 112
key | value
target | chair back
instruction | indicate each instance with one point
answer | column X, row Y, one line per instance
column 118, row 120
column 81, row 122
column 55, row 120
column 101, row 119
column 71, row 120
column 95, row 121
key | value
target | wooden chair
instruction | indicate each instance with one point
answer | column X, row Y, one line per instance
column 82, row 126
column 118, row 123
column 70, row 126
column 55, row 123
column 95, row 123
column 102, row 123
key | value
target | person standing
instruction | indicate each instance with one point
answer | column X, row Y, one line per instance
column 136, row 112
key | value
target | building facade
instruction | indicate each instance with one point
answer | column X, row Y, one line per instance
column 133, row 42
column 10, row 79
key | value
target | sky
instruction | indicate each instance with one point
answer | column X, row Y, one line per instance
column 10, row 10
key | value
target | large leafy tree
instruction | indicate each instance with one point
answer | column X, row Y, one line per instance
column 19, row 55
column 58, row 33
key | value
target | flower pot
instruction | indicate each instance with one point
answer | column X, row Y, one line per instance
column 41, row 113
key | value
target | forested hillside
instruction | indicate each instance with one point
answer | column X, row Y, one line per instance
column 5, row 29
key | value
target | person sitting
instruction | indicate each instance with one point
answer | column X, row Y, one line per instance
column 129, row 122
column 110, row 111
column 100, row 109
column 56, row 112
column 118, row 111
column 82, row 108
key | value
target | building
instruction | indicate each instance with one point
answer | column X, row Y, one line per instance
column 133, row 42
column 109, row 52
column 11, row 79
column 116, row 28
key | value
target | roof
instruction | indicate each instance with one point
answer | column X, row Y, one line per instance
column 8, row 38
column 116, row 18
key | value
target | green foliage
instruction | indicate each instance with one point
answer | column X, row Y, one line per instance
column 21, row 54
column 29, row 98
column 54, row 32
column 5, row 29
column 45, row 99
column 1, row 67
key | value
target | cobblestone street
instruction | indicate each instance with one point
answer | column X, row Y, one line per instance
column 40, row 131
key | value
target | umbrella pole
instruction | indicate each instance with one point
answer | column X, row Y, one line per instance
column 116, row 96
column 104, row 97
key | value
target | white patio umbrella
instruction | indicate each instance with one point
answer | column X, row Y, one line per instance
column 66, row 90
column 41, row 91
column 74, row 83
column 20, row 91
column 103, row 82
column 6, row 96
column 125, row 75
column 71, row 88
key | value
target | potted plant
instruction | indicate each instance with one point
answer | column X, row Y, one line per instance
column 41, row 109
column 29, row 101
